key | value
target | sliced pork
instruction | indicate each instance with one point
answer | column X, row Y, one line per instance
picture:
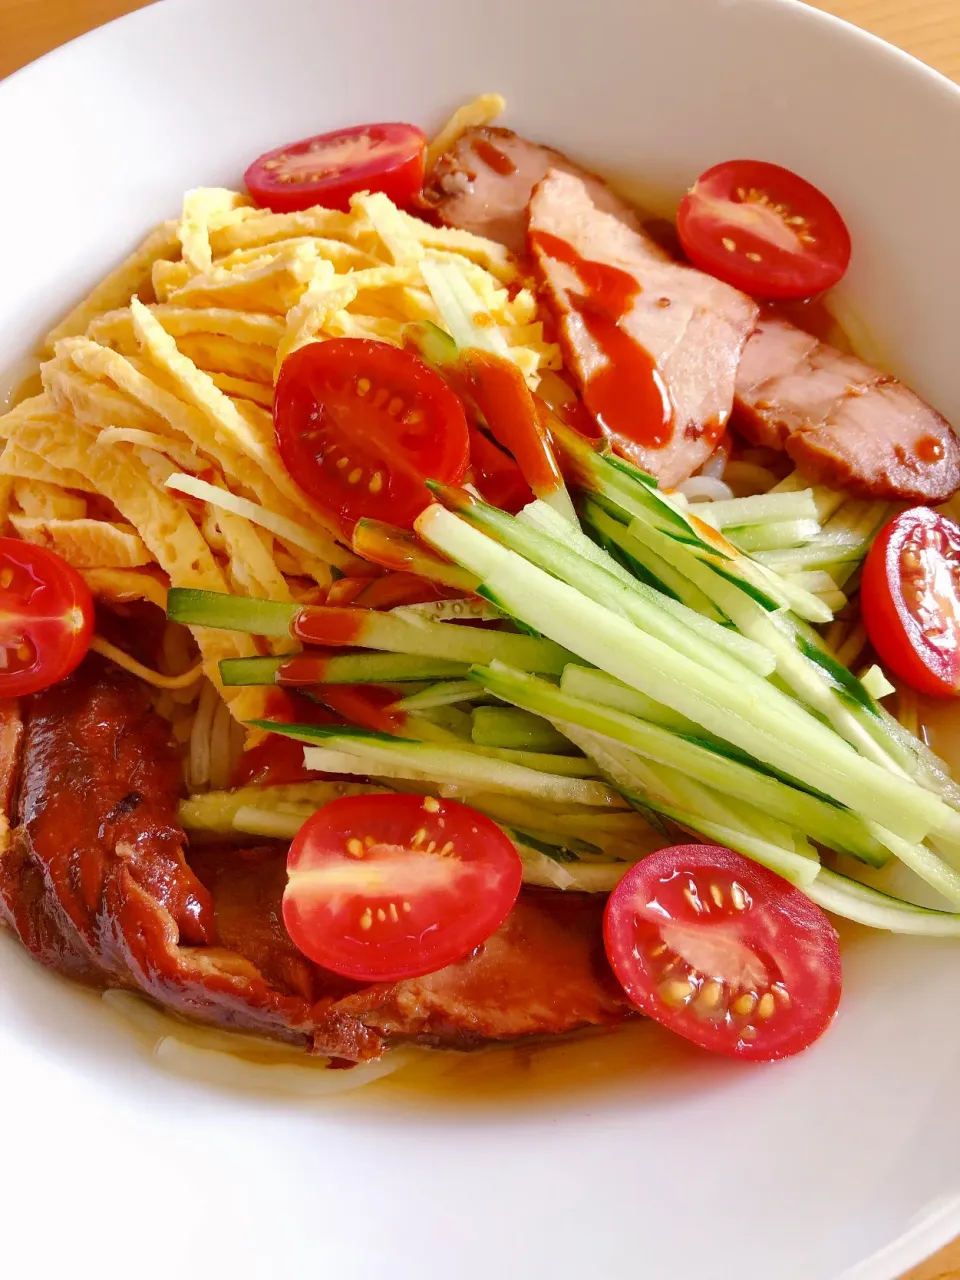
column 844, row 423
column 96, row 882
column 484, row 182
column 655, row 346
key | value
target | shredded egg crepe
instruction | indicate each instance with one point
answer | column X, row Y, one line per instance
column 167, row 369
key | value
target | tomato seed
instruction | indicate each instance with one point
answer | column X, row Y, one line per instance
column 767, row 1005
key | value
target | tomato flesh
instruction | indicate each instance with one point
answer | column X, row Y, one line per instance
column 910, row 600
column 763, row 229
column 46, row 618
column 385, row 887
column 361, row 425
column 723, row 952
column 328, row 168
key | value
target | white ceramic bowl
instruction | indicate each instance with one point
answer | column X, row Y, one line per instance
column 693, row 1168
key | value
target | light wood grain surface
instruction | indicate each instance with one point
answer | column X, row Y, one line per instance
column 929, row 29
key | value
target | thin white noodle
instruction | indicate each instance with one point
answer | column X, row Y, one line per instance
column 745, row 478
column 225, row 1070
column 220, row 735
column 704, row 488
column 852, row 647
column 716, row 463
column 219, row 1057
column 200, row 738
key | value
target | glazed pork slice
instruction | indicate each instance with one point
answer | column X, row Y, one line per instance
column 844, row 423
column 93, row 878
column 484, row 182
column 654, row 345
column 96, row 881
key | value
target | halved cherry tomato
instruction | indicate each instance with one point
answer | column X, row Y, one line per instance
column 46, row 618
column 910, row 600
column 361, row 425
column 329, row 168
column 278, row 761
column 387, row 887
column 723, row 952
column 763, row 229
column 495, row 475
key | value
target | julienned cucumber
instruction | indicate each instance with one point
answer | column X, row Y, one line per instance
column 836, row 828
column 231, row 613
column 539, row 516
column 367, row 629
column 377, row 754
column 640, row 604
column 749, row 712
column 347, row 668
column 856, row 901
column 516, row 730
column 695, row 809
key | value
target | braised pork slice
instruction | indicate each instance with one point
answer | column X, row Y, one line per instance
column 484, row 182
column 654, row 345
column 844, row 423
column 95, row 882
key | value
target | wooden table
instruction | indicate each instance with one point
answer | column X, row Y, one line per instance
column 929, row 29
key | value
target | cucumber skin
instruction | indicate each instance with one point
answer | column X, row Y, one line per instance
column 230, row 613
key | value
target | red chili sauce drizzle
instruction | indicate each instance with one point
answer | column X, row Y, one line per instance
column 627, row 395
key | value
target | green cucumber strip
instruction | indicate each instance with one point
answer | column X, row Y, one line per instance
column 589, row 833
column 876, row 683
column 543, row 761
column 633, row 777
column 827, row 501
column 923, row 861
column 347, row 668
column 769, row 591
column 675, row 583
column 761, row 509
column 812, row 676
column 749, row 712
column 434, row 344
column 442, row 694
column 835, row 828
column 439, row 763
column 773, row 536
column 592, row 685
column 461, row 308
column 540, row 868
column 273, row 824
column 231, row 613
column 640, row 603
column 436, row 640
column 856, row 901
column 750, row 654
column 516, row 730
column 637, row 539
column 663, row 782
column 215, row 810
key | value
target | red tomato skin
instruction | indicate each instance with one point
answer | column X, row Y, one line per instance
column 414, row 909
column 46, row 602
column 326, row 376
column 399, row 173
column 894, row 631
column 781, row 274
column 789, row 935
